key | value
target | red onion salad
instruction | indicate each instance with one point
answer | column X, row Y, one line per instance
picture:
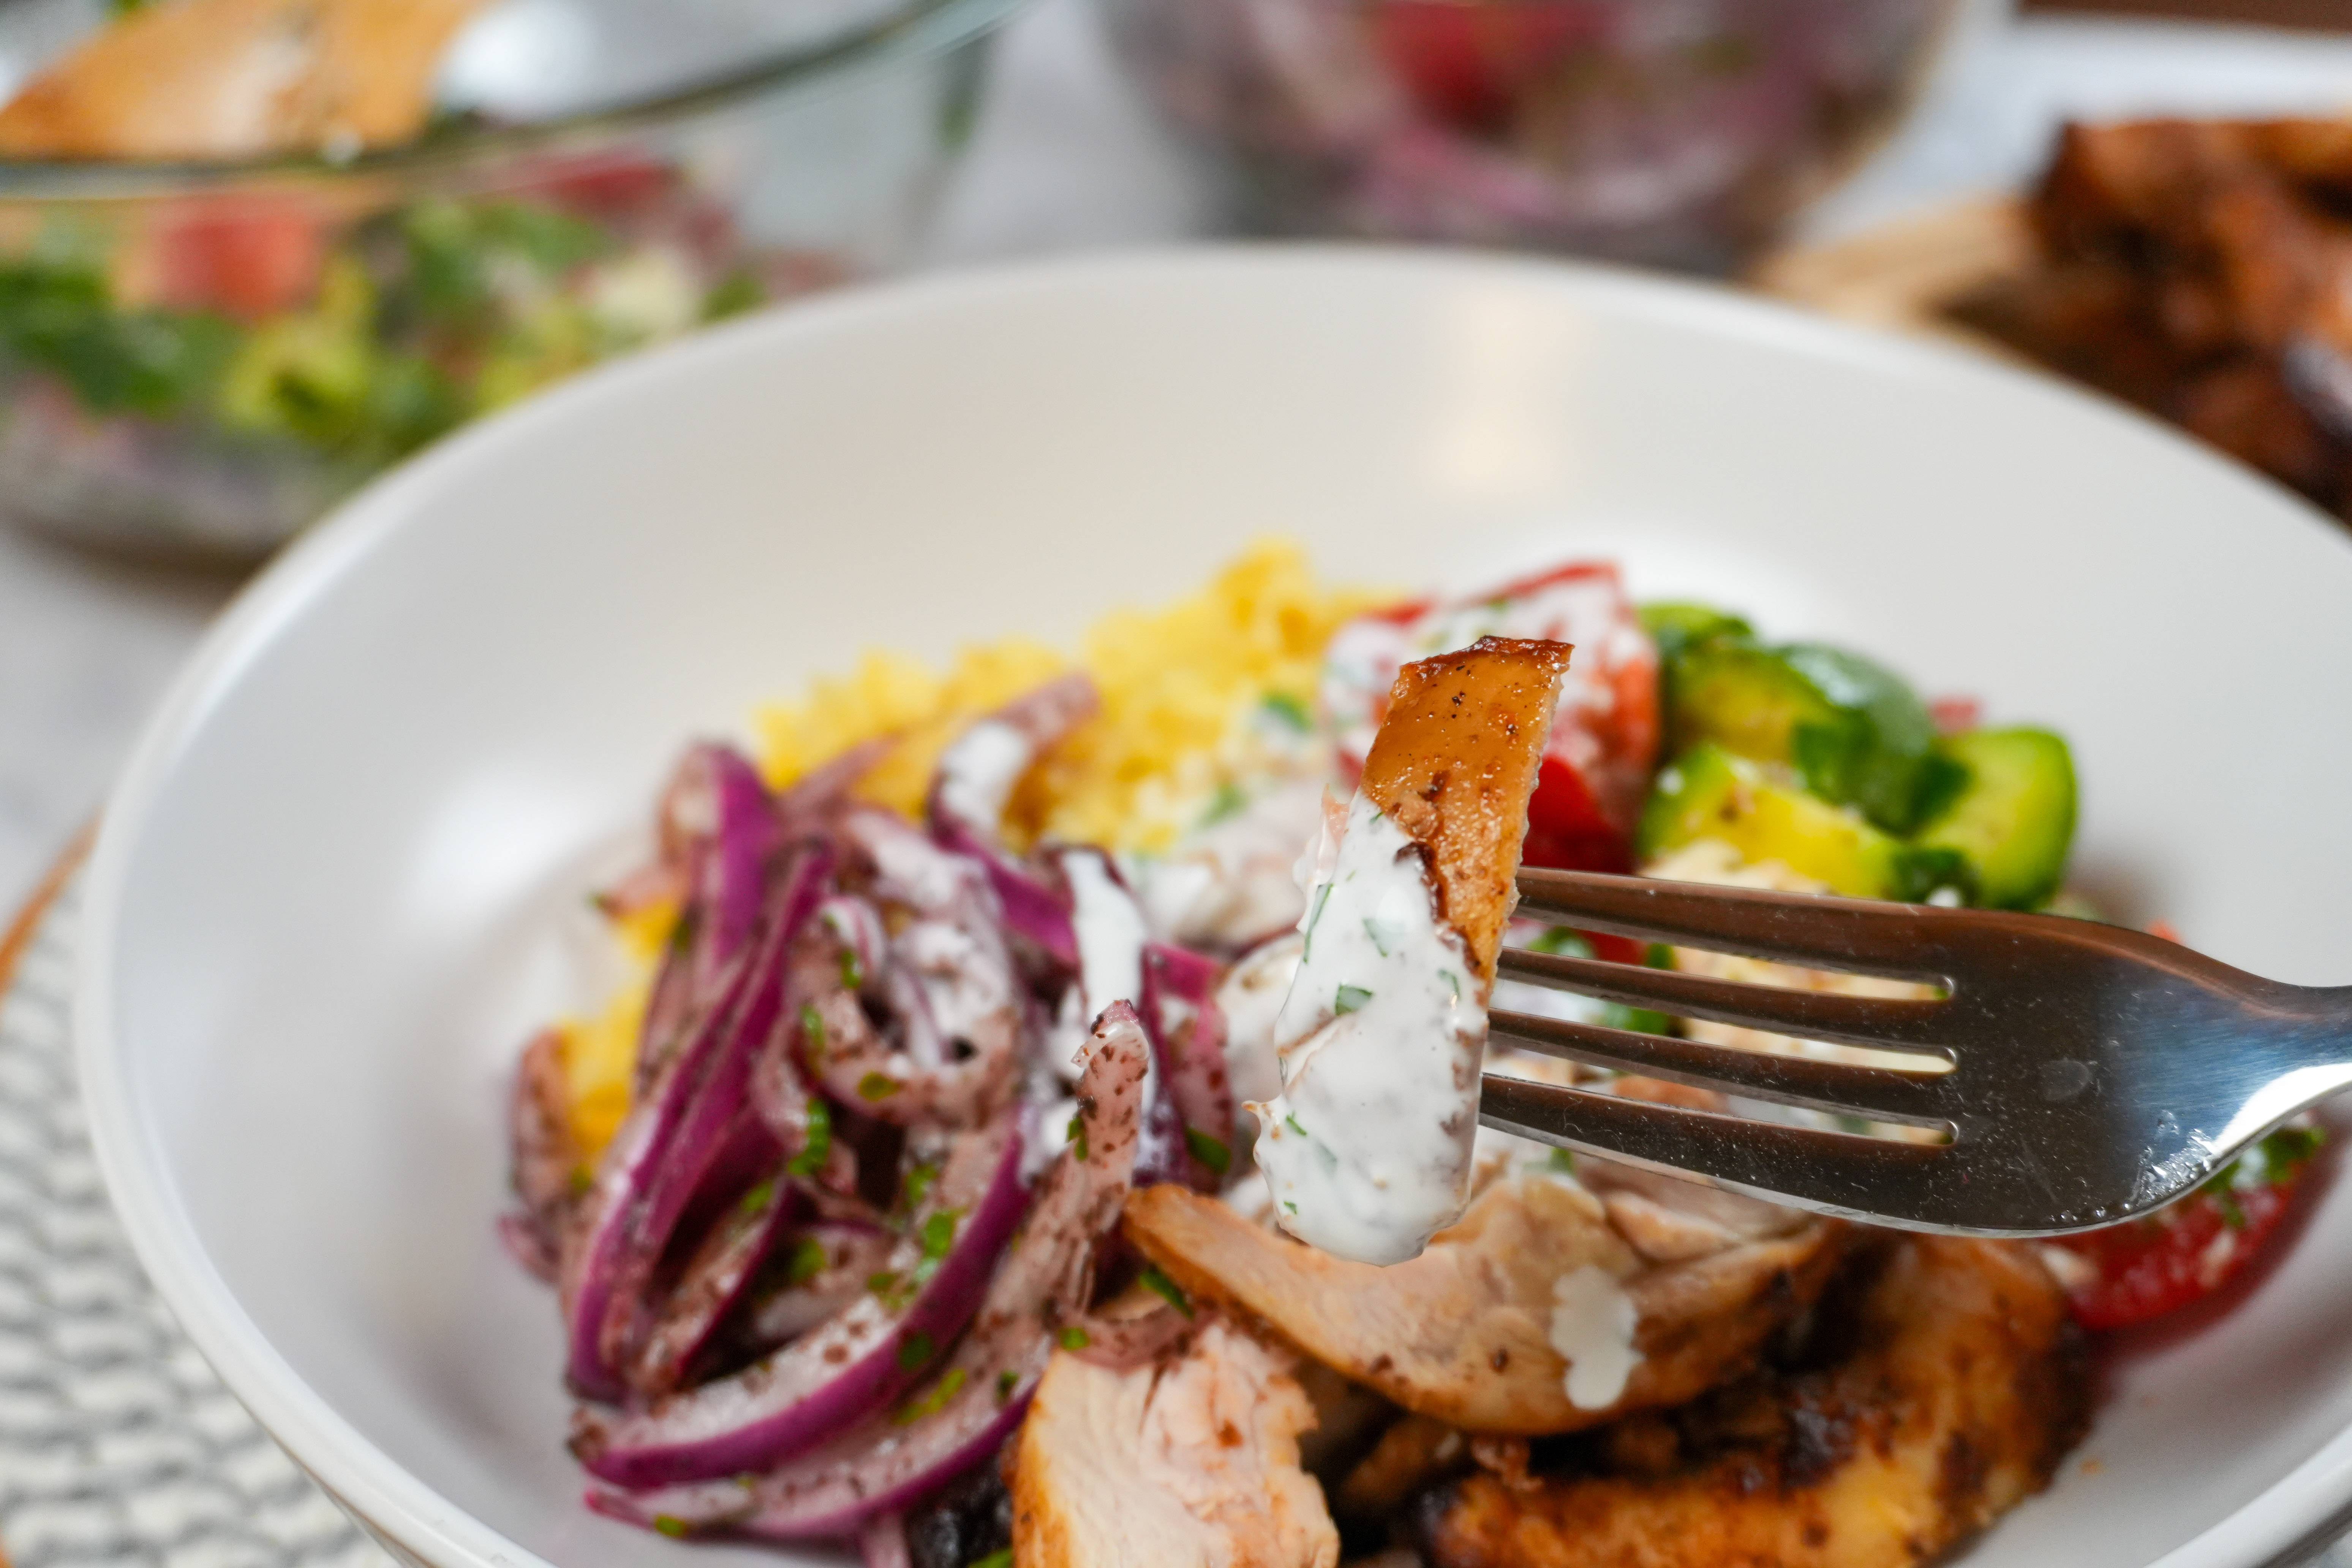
column 894, row 1082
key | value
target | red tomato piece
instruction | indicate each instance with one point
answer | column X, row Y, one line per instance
column 612, row 184
column 1466, row 63
column 2134, row 1272
column 1605, row 739
column 243, row 258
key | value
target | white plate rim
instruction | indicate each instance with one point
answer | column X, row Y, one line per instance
column 2289, row 1521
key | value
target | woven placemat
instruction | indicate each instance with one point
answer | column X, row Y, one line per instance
column 118, row 1446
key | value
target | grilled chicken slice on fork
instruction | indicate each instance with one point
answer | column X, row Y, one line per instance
column 2079, row 1074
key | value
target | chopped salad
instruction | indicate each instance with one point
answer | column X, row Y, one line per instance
column 934, row 1187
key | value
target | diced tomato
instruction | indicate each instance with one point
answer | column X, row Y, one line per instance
column 243, row 258
column 1565, row 827
column 1466, row 62
column 2144, row 1268
column 1956, row 715
column 1605, row 737
column 610, row 184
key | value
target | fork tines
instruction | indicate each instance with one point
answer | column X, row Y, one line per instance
column 1911, row 1085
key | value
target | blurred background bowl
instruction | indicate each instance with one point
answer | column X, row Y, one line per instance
column 1675, row 133
column 199, row 359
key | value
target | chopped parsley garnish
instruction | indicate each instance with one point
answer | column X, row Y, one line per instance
column 1292, row 1122
column 1322, row 897
column 669, row 1524
column 1562, row 1162
column 1007, row 1382
column 1226, row 803
column 809, row 1259
column 2233, row 1215
column 1000, row 1558
column 938, row 1236
column 1282, row 705
column 932, row 1402
column 1350, row 999
column 759, row 1198
column 894, row 1291
column 918, row 1183
column 1078, row 1133
column 818, row 1150
column 853, row 973
column 1214, row 1152
column 1074, row 1338
column 813, row 1030
column 877, row 1086
column 1167, row 1289
column 915, row 1349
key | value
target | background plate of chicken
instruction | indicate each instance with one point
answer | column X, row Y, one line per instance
column 829, row 846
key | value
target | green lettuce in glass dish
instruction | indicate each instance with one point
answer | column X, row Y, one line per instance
column 200, row 359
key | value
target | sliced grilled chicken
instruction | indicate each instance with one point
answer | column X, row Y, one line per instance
column 1540, row 1312
column 1189, row 1464
column 239, row 78
column 1368, row 1148
column 1961, row 1387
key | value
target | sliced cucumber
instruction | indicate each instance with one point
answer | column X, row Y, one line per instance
column 1852, row 729
column 2012, row 816
column 1711, row 793
column 1678, row 628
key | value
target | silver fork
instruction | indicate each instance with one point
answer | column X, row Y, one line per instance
column 2083, row 1073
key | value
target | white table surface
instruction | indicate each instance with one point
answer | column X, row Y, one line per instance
column 1066, row 157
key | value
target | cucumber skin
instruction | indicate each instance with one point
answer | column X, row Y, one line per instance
column 1678, row 626
column 1878, row 751
column 2013, row 818
column 1852, row 729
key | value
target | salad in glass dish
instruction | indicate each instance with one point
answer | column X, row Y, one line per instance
column 234, row 284
column 1683, row 136
column 1041, row 1127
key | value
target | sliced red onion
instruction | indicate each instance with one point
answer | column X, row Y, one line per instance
column 960, row 1416
column 824, row 1166
column 861, row 1358
column 817, row 795
column 546, row 1161
column 883, row 1542
column 978, row 773
column 712, row 1283
column 658, row 1159
column 720, row 828
column 719, row 1122
column 1113, row 941
column 596, row 1246
column 840, row 1259
column 747, row 1152
column 975, row 780
column 733, row 885
column 947, row 977
column 1180, row 999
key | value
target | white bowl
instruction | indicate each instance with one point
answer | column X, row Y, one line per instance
column 333, row 889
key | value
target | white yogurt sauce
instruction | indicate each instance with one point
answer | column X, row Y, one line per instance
column 1229, row 883
column 1111, row 931
column 978, row 773
column 1366, row 1150
column 1593, row 1327
column 1251, row 998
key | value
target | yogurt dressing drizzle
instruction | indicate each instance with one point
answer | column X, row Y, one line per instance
column 1366, row 1150
column 1592, row 1326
